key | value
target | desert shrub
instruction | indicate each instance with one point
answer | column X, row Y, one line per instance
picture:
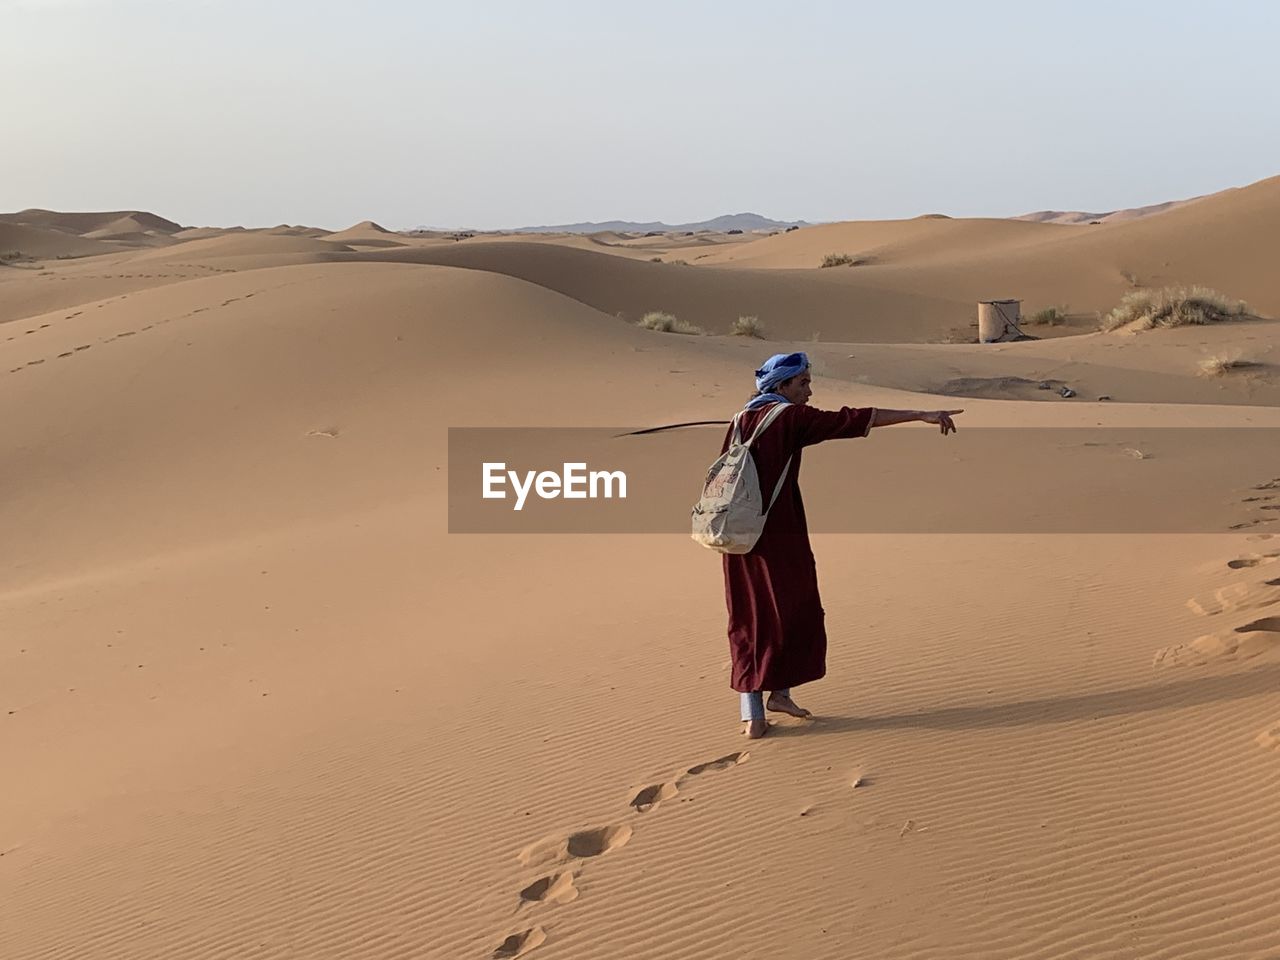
column 1219, row 364
column 655, row 259
column 748, row 327
column 1172, row 307
column 1049, row 316
column 667, row 323
column 842, row 260
column 10, row 256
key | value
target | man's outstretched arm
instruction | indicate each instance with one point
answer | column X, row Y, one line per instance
column 887, row 418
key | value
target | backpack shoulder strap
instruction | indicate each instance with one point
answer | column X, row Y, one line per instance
column 736, row 436
column 766, row 420
column 777, row 488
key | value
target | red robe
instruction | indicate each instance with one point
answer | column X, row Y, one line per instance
column 776, row 632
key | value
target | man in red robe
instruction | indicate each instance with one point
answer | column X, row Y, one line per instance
column 777, row 636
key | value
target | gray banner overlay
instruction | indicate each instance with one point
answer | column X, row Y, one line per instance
column 903, row 479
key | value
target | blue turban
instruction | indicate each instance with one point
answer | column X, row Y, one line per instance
column 780, row 367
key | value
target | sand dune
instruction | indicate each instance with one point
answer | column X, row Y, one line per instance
column 257, row 701
column 919, row 283
column 366, row 233
column 831, row 304
column 288, row 230
column 18, row 241
column 1220, row 241
column 203, row 233
column 30, row 293
column 919, row 240
column 362, row 228
column 246, row 244
column 1171, row 366
column 84, row 223
column 612, row 244
column 1081, row 217
column 921, row 277
column 297, row 341
column 131, row 229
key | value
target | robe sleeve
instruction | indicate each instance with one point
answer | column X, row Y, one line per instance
column 812, row 426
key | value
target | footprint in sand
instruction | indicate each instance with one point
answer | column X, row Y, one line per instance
column 518, row 944
column 553, row 888
column 1245, row 640
column 558, row 886
column 1237, row 596
column 1242, row 643
column 581, row 845
column 720, row 763
column 1256, row 560
column 597, row 841
column 649, row 797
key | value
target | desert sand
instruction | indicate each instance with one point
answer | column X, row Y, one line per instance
column 257, row 701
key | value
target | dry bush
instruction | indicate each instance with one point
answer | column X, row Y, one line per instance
column 667, row 323
column 842, row 260
column 1222, row 363
column 748, row 327
column 1172, row 307
column 1049, row 316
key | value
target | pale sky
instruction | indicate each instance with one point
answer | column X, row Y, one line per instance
column 506, row 113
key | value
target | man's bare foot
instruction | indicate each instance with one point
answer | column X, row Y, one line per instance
column 778, row 703
column 755, row 729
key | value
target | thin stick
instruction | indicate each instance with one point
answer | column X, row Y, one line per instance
column 673, row 426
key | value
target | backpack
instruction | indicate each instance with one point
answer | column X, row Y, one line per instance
column 730, row 516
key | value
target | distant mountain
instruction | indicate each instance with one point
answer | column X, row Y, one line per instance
column 746, row 222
